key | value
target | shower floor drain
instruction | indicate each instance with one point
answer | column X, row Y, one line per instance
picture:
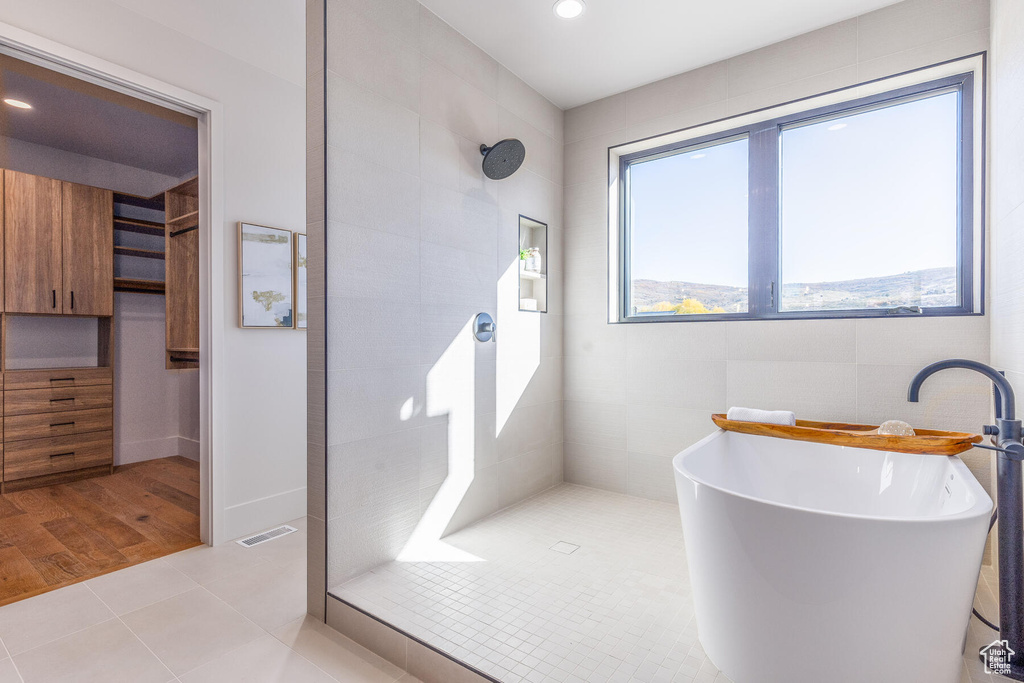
column 565, row 548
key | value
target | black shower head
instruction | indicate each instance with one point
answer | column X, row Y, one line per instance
column 503, row 159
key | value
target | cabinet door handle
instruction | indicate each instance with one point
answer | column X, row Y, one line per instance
column 55, row 298
column 56, row 400
column 72, row 299
column 62, row 379
column 62, row 424
column 61, row 455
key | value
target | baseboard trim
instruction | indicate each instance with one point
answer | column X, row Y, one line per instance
column 188, row 448
column 140, row 451
column 263, row 513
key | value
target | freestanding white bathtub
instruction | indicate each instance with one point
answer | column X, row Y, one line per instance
column 812, row 563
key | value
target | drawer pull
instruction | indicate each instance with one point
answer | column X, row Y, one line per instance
column 58, row 400
column 61, row 455
column 62, row 424
column 62, row 379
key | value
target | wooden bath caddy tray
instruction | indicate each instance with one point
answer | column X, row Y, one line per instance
column 926, row 441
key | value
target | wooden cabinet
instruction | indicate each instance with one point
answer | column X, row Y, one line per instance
column 88, row 250
column 57, row 455
column 32, row 236
column 58, row 259
column 59, row 247
column 60, row 425
column 181, row 207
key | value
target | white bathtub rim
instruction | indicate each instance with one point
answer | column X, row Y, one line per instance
column 978, row 509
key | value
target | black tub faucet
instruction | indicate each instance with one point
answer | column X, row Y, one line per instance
column 1007, row 441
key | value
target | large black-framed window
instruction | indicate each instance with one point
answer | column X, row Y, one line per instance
column 863, row 208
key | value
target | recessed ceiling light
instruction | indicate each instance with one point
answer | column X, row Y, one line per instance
column 17, row 104
column 837, row 126
column 698, row 156
column 569, row 9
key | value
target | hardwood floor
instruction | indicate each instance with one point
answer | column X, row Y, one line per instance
column 58, row 535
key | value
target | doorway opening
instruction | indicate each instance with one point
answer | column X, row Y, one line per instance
column 100, row 341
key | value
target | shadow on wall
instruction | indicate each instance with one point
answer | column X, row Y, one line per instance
column 451, row 390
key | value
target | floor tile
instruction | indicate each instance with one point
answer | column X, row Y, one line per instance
column 191, row 629
column 266, row 660
column 30, row 623
column 558, row 567
column 8, row 674
column 269, row 594
column 284, row 549
column 136, row 587
column 205, row 564
column 336, row 654
column 105, row 653
column 617, row 608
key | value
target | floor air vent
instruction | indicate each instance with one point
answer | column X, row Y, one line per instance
column 265, row 536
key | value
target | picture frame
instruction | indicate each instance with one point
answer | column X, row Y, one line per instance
column 266, row 277
column 301, row 270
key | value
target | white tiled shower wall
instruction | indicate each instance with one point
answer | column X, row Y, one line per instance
column 635, row 395
column 1006, row 206
column 418, row 242
column 1007, row 188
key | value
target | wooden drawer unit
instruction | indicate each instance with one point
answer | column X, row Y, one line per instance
column 22, row 427
column 47, row 379
column 56, row 400
column 54, row 455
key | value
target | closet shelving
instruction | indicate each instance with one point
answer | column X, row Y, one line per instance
column 181, row 219
column 124, row 222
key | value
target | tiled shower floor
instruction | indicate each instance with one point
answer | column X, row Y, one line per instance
column 617, row 608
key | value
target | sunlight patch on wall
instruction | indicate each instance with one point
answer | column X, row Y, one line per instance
column 451, row 391
column 518, row 346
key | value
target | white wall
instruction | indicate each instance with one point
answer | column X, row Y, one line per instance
column 217, row 54
column 638, row 394
column 1006, row 206
column 147, row 423
column 1006, row 200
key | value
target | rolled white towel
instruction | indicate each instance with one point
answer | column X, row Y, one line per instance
column 772, row 417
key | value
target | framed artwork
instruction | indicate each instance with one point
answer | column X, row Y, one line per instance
column 266, row 281
column 300, row 281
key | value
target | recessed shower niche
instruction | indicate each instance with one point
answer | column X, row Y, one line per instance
column 533, row 260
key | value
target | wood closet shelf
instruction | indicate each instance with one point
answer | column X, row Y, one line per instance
column 138, row 226
column 127, row 284
column 181, row 242
column 188, row 220
column 141, row 253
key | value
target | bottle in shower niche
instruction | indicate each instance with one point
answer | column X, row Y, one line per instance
column 533, row 263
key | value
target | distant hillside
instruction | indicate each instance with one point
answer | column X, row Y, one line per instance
column 931, row 287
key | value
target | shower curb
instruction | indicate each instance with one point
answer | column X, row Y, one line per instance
column 420, row 659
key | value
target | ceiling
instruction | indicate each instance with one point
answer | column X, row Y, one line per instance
column 83, row 118
column 617, row 45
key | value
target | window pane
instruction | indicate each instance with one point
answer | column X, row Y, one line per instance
column 688, row 232
column 869, row 209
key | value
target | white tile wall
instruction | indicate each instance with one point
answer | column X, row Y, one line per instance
column 417, row 241
column 1007, row 183
column 665, row 379
column 1007, row 196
